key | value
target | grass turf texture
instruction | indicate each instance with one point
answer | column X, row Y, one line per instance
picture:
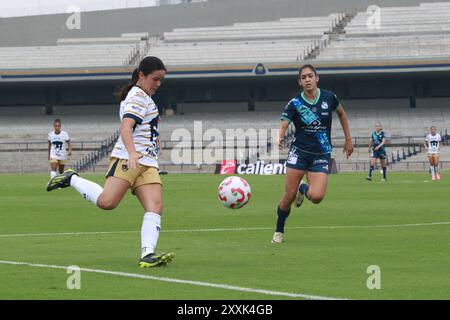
column 329, row 262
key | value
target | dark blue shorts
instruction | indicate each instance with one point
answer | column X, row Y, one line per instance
column 301, row 160
column 379, row 154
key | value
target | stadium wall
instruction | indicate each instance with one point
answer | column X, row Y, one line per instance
column 235, row 94
column 46, row 29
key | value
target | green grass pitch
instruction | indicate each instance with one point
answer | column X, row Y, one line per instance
column 402, row 226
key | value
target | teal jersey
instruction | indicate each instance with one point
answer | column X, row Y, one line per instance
column 312, row 121
column 377, row 138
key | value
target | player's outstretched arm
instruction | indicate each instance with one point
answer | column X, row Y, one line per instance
column 348, row 145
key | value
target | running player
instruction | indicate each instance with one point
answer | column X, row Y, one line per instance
column 376, row 147
column 58, row 143
column 311, row 113
column 133, row 161
column 432, row 144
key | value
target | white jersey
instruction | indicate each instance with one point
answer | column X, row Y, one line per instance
column 140, row 107
column 58, row 149
column 433, row 142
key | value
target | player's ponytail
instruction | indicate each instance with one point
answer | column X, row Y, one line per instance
column 147, row 66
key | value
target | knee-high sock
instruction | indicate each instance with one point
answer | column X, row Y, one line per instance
column 150, row 233
column 370, row 170
column 52, row 174
column 88, row 189
column 281, row 219
column 384, row 172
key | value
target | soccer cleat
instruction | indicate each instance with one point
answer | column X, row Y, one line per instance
column 369, row 178
column 278, row 237
column 61, row 180
column 155, row 259
column 383, row 180
column 433, row 177
column 438, row 176
column 300, row 196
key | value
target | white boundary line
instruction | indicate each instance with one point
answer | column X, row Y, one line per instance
column 172, row 280
column 229, row 229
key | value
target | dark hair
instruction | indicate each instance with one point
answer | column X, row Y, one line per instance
column 307, row 66
column 57, row 121
column 147, row 66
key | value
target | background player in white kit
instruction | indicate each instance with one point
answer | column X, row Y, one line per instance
column 58, row 143
column 432, row 142
column 133, row 161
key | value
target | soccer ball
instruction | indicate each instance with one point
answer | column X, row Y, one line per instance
column 234, row 192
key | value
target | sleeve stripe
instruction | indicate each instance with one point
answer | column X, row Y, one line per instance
column 132, row 116
column 136, row 103
column 135, row 113
column 285, row 119
column 151, row 113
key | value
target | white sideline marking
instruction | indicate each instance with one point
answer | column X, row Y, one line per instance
column 172, row 280
column 229, row 229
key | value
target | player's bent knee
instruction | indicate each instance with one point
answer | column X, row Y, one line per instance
column 106, row 204
column 316, row 198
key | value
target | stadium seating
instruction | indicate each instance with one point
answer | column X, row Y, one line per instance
column 402, row 33
column 286, row 40
column 84, row 52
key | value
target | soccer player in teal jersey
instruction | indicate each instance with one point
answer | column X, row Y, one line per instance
column 311, row 113
column 376, row 146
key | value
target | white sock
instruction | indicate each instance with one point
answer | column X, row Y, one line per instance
column 52, row 174
column 88, row 189
column 432, row 170
column 150, row 233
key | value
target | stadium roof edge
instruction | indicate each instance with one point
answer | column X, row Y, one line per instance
column 238, row 70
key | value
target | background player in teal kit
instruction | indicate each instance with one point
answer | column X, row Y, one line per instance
column 376, row 146
column 311, row 114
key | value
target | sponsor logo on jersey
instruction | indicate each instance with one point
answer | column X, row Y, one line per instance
column 324, row 105
column 137, row 108
column 320, row 161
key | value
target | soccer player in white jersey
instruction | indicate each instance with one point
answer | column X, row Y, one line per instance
column 58, row 143
column 432, row 142
column 134, row 161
